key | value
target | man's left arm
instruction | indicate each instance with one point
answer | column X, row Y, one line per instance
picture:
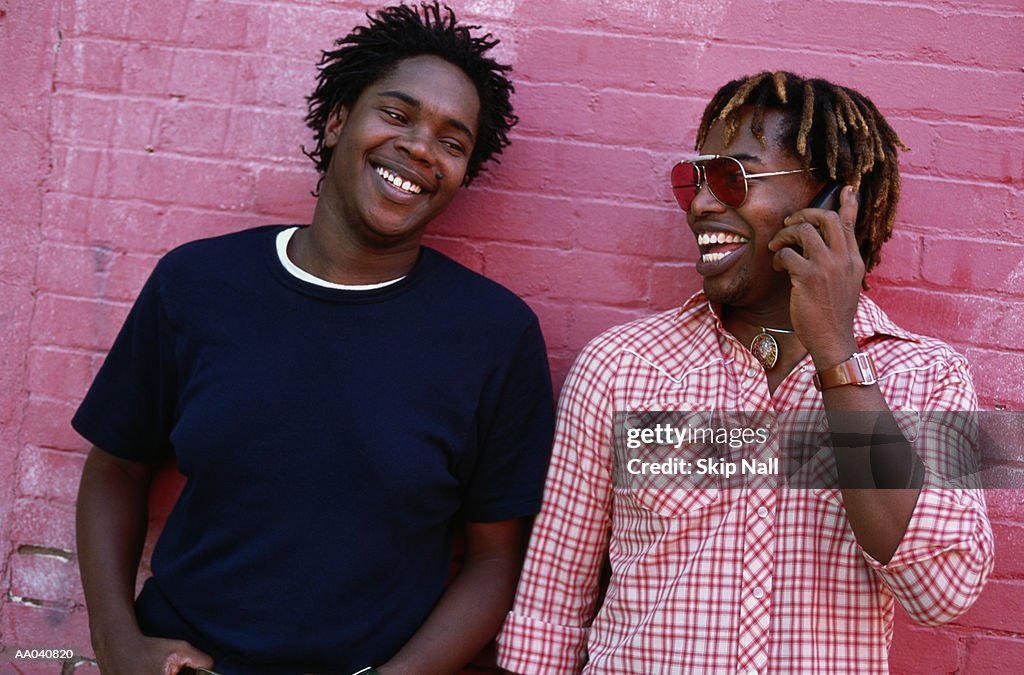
column 870, row 449
column 473, row 605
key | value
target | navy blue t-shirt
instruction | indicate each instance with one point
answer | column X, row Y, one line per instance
column 331, row 439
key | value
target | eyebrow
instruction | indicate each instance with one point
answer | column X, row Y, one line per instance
column 415, row 103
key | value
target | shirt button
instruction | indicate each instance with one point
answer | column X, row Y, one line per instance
column 762, row 512
column 752, row 372
column 758, row 593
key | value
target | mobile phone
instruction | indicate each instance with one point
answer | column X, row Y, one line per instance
column 824, row 198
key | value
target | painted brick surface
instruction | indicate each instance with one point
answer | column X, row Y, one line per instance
column 129, row 127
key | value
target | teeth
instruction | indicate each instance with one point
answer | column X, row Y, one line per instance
column 398, row 182
column 713, row 257
column 709, row 238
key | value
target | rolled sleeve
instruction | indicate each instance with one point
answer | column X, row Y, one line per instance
column 945, row 557
column 528, row 645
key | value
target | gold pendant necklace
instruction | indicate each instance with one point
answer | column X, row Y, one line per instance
column 764, row 347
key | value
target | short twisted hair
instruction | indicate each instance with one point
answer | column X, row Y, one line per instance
column 835, row 129
column 371, row 52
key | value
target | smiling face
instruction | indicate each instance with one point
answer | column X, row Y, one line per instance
column 735, row 261
column 400, row 152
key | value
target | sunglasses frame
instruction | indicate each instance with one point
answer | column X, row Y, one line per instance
column 702, row 180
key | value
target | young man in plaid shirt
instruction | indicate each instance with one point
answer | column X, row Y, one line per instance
column 626, row 574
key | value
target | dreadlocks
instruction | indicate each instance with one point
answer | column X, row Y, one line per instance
column 371, row 52
column 834, row 129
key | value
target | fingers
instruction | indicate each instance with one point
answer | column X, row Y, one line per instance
column 789, row 260
column 809, row 228
column 798, row 232
column 849, row 206
column 184, row 655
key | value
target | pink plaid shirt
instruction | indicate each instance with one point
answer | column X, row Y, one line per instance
column 730, row 580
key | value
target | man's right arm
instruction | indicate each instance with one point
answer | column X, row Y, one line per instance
column 111, row 529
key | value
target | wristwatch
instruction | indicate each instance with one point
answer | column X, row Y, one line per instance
column 859, row 369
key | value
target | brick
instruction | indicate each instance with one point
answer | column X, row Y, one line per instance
column 963, row 263
column 72, row 270
column 50, row 474
column 92, row 64
column 917, row 649
column 134, row 124
column 159, row 23
column 268, row 134
column 601, row 59
column 83, row 119
column 43, row 628
column 64, row 217
column 81, row 172
column 220, row 25
column 274, row 81
column 1009, row 539
column 589, row 321
column 47, row 578
column 556, row 110
column 202, row 75
column 191, row 128
column 556, row 167
column 581, row 276
column 95, row 322
column 995, row 51
column 47, row 422
column 996, row 655
column 146, row 69
column 997, row 375
column 1004, row 505
column 160, row 178
column 483, row 215
column 120, row 226
column 106, row 18
column 672, row 284
column 187, row 224
column 922, row 137
column 974, row 319
column 964, row 95
column 304, row 31
column 650, row 120
column 655, row 231
column 999, row 607
column 957, row 153
column 901, row 259
column 286, row 192
column 58, row 374
column 47, row 524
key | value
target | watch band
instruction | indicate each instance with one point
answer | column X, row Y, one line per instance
column 859, row 369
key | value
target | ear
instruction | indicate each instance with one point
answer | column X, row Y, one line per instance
column 335, row 125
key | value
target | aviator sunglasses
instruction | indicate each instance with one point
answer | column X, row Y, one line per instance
column 724, row 176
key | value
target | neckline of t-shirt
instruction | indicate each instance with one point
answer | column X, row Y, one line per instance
column 341, row 294
column 281, row 242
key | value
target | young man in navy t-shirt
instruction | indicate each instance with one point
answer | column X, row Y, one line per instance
column 340, row 399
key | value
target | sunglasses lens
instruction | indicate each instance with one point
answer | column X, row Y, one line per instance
column 725, row 178
column 684, row 184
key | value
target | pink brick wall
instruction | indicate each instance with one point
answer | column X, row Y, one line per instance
column 128, row 127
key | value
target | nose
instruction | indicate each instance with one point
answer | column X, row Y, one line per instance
column 417, row 142
column 704, row 202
